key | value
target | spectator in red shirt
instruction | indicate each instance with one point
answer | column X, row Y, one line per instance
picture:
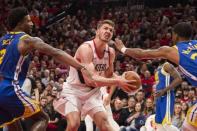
column 185, row 95
column 147, row 83
column 165, row 40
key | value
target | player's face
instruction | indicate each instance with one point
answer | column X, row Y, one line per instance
column 27, row 24
column 105, row 32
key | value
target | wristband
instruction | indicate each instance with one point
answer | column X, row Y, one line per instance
column 123, row 50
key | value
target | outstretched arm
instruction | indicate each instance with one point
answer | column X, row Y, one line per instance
column 31, row 43
column 162, row 52
column 175, row 74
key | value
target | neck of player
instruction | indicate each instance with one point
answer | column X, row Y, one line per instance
column 17, row 29
column 100, row 46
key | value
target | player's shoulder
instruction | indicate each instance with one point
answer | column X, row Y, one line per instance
column 84, row 48
column 167, row 51
column 167, row 66
column 85, row 45
column 32, row 40
column 25, row 36
column 88, row 42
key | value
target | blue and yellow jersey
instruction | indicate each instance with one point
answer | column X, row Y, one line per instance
column 188, row 60
column 13, row 66
column 14, row 102
column 162, row 78
column 165, row 103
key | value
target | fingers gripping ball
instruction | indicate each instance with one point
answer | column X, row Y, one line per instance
column 131, row 75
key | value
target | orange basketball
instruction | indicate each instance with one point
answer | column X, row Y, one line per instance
column 131, row 75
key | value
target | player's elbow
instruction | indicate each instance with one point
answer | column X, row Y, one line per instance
column 56, row 52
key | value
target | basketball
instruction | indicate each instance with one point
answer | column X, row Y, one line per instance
column 131, row 75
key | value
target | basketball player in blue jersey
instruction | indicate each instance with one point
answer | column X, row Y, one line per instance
column 183, row 54
column 167, row 78
column 15, row 47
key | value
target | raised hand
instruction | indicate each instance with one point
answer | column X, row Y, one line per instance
column 119, row 45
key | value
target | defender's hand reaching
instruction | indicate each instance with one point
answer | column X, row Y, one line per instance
column 119, row 45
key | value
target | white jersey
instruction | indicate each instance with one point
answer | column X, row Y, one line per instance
column 100, row 65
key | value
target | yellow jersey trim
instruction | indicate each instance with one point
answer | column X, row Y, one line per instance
column 163, row 71
column 175, row 47
column 24, row 36
column 23, row 116
column 190, row 112
column 17, row 32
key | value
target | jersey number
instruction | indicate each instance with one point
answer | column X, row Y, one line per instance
column 2, row 53
column 193, row 56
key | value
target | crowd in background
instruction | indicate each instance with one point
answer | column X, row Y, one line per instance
column 137, row 26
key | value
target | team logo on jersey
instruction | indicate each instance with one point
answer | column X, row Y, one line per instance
column 100, row 67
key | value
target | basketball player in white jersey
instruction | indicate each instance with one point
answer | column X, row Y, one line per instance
column 106, row 94
column 80, row 95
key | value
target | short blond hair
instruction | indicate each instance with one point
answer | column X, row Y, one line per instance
column 110, row 22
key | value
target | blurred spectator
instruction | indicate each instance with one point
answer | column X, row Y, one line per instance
column 47, row 91
column 184, row 107
column 147, row 83
column 117, row 110
column 43, row 102
column 185, row 97
column 177, row 119
column 137, row 119
column 128, row 111
column 184, row 85
column 140, row 97
column 124, row 102
column 54, row 117
column 45, row 79
column 149, row 108
column 192, row 96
